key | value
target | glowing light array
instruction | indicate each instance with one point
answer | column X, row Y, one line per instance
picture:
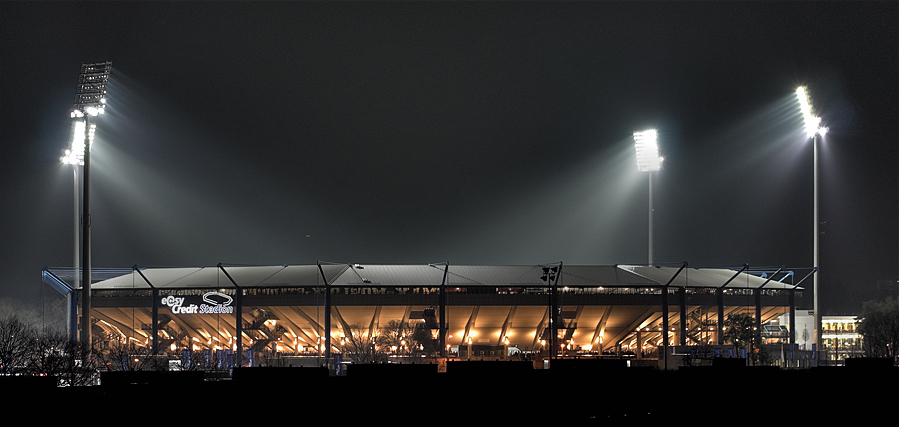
column 648, row 158
column 75, row 154
column 812, row 122
column 90, row 101
column 90, row 94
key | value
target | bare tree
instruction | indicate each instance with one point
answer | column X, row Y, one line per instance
column 361, row 347
column 122, row 354
column 396, row 337
column 46, row 353
column 25, row 351
column 15, row 341
column 79, row 368
column 52, row 353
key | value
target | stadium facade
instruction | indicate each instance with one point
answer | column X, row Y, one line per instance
column 489, row 312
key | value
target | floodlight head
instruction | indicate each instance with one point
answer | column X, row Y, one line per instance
column 812, row 122
column 646, row 143
column 75, row 154
column 70, row 158
column 90, row 94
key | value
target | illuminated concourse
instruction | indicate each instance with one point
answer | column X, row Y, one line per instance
column 307, row 314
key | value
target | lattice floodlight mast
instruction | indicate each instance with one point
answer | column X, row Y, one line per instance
column 90, row 100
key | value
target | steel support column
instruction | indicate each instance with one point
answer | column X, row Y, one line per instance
column 441, row 332
column 792, row 316
column 758, row 299
column 719, row 301
column 682, row 303
column 665, row 308
column 238, row 321
column 154, row 311
column 719, row 293
column 327, row 314
column 665, row 323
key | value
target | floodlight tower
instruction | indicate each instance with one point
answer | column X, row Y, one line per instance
column 74, row 156
column 648, row 160
column 815, row 131
column 90, row 101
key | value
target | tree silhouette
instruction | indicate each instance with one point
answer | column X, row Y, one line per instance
column 879, row 328
column 361, row 347
column 741, row 332
column 15, row 342
column 396, row 337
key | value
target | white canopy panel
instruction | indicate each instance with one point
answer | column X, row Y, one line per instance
column 434, row 275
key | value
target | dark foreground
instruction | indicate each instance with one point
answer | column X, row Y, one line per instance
column 476, row 394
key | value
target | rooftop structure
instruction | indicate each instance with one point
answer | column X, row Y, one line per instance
column 472, row 311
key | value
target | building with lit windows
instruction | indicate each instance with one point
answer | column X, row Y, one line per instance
column 841, row 339
column 308, row 314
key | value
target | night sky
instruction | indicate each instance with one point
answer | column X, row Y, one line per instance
column 460, row 132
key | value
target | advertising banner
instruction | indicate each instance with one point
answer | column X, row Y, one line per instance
column 208, row 303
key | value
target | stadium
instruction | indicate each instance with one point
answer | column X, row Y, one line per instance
column 315, row 314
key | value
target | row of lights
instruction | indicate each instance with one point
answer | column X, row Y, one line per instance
column 505, row 340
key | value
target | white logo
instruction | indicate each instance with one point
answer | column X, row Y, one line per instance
column 226, row 299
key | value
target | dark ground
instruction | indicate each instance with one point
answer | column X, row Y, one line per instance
column 481, row 393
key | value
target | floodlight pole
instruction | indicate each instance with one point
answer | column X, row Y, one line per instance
column 650, row 217
column 86, row 243
column 551, row 278
column 814, row 130
column 90, row 100
column 818, row 331
column 71, row 327
column 648, row 160
column 76, row 276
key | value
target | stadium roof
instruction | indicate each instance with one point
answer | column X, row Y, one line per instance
column 223, row 276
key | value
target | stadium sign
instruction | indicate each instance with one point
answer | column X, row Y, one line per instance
column 212, row 303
